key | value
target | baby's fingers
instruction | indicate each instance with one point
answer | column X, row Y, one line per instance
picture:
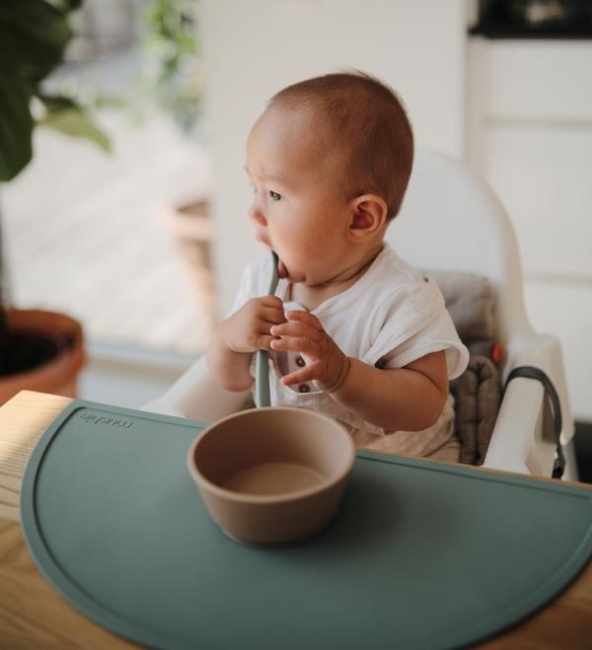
column 269, row 309
column 264, row 342
column 273, row 315
column 297, row 330
column 302, row 375
column 305, row 317
column 304, row 345
column 272, row 301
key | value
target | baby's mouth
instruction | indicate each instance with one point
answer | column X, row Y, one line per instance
column 282, row 270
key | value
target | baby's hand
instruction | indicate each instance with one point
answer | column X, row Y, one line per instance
column 326, row 364
column 248, row 329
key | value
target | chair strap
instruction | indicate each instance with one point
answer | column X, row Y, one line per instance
column 530, row 372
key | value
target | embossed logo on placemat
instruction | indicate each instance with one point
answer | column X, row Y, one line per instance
column 95, row 418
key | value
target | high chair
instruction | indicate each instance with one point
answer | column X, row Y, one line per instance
column 451, row 220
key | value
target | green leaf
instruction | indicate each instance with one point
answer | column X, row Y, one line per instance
column 74, row 122
column 70, row 5
column 55, row 103
column 16, row 124
column 35, row 35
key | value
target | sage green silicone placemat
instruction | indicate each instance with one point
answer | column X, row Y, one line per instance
column 421, row 555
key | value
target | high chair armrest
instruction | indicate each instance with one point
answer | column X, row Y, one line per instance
column 195, row 395
column 523, row 438
column 544, row 351
column 517, row 443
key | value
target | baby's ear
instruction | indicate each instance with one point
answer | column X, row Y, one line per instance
column 369, row 214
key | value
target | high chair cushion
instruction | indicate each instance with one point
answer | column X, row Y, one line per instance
column 478, row 399
column 470, row 300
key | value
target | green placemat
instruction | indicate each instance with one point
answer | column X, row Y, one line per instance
column 421, row 555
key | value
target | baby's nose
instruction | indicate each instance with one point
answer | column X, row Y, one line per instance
column 256, row 215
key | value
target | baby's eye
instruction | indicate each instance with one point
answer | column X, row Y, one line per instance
column 274, row 196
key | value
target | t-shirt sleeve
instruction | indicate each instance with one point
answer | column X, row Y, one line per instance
column 414, row 325
column 439, row 335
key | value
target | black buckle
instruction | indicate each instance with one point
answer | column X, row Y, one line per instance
column 531, row 372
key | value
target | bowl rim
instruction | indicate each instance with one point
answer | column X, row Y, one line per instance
column 282, row 497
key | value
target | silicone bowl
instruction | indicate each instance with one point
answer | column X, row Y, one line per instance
column 272, row 475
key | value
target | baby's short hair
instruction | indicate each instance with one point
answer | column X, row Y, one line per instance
column 364, row 116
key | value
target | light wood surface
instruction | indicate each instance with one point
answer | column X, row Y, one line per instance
column 32, row 615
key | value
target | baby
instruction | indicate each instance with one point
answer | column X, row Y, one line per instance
column 329, row 161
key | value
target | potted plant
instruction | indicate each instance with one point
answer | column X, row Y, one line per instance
column 39, row 350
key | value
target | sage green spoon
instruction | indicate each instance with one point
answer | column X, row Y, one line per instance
column 262, row 396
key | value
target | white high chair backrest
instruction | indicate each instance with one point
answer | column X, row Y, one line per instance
column 451, row 220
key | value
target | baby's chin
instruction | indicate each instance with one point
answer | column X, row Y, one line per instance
column 283, row 272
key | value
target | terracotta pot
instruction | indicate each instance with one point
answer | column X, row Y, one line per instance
column 58, row 376
column 191, row 228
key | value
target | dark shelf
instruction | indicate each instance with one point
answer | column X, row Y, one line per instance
column 534, row 19
column 495, row 30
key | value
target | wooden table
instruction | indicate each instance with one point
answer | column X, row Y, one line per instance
column 32, row 615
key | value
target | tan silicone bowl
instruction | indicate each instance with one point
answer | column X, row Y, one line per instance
column 272, row 475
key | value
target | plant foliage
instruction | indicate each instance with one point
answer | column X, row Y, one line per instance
column 34, row 35
column 172, row 72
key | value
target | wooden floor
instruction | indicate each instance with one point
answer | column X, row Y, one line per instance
column 83, row 234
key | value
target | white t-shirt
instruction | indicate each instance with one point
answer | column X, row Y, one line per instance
column 390, row 317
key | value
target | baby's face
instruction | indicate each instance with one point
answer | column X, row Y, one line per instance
column 297, row 209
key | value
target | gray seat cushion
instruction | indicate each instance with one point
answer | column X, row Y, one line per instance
column 470, row 301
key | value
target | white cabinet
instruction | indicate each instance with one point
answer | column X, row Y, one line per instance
column 530, row 136
column 544, row 176
column 539, row 81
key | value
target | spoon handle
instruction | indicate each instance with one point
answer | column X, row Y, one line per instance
column 262, row 396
